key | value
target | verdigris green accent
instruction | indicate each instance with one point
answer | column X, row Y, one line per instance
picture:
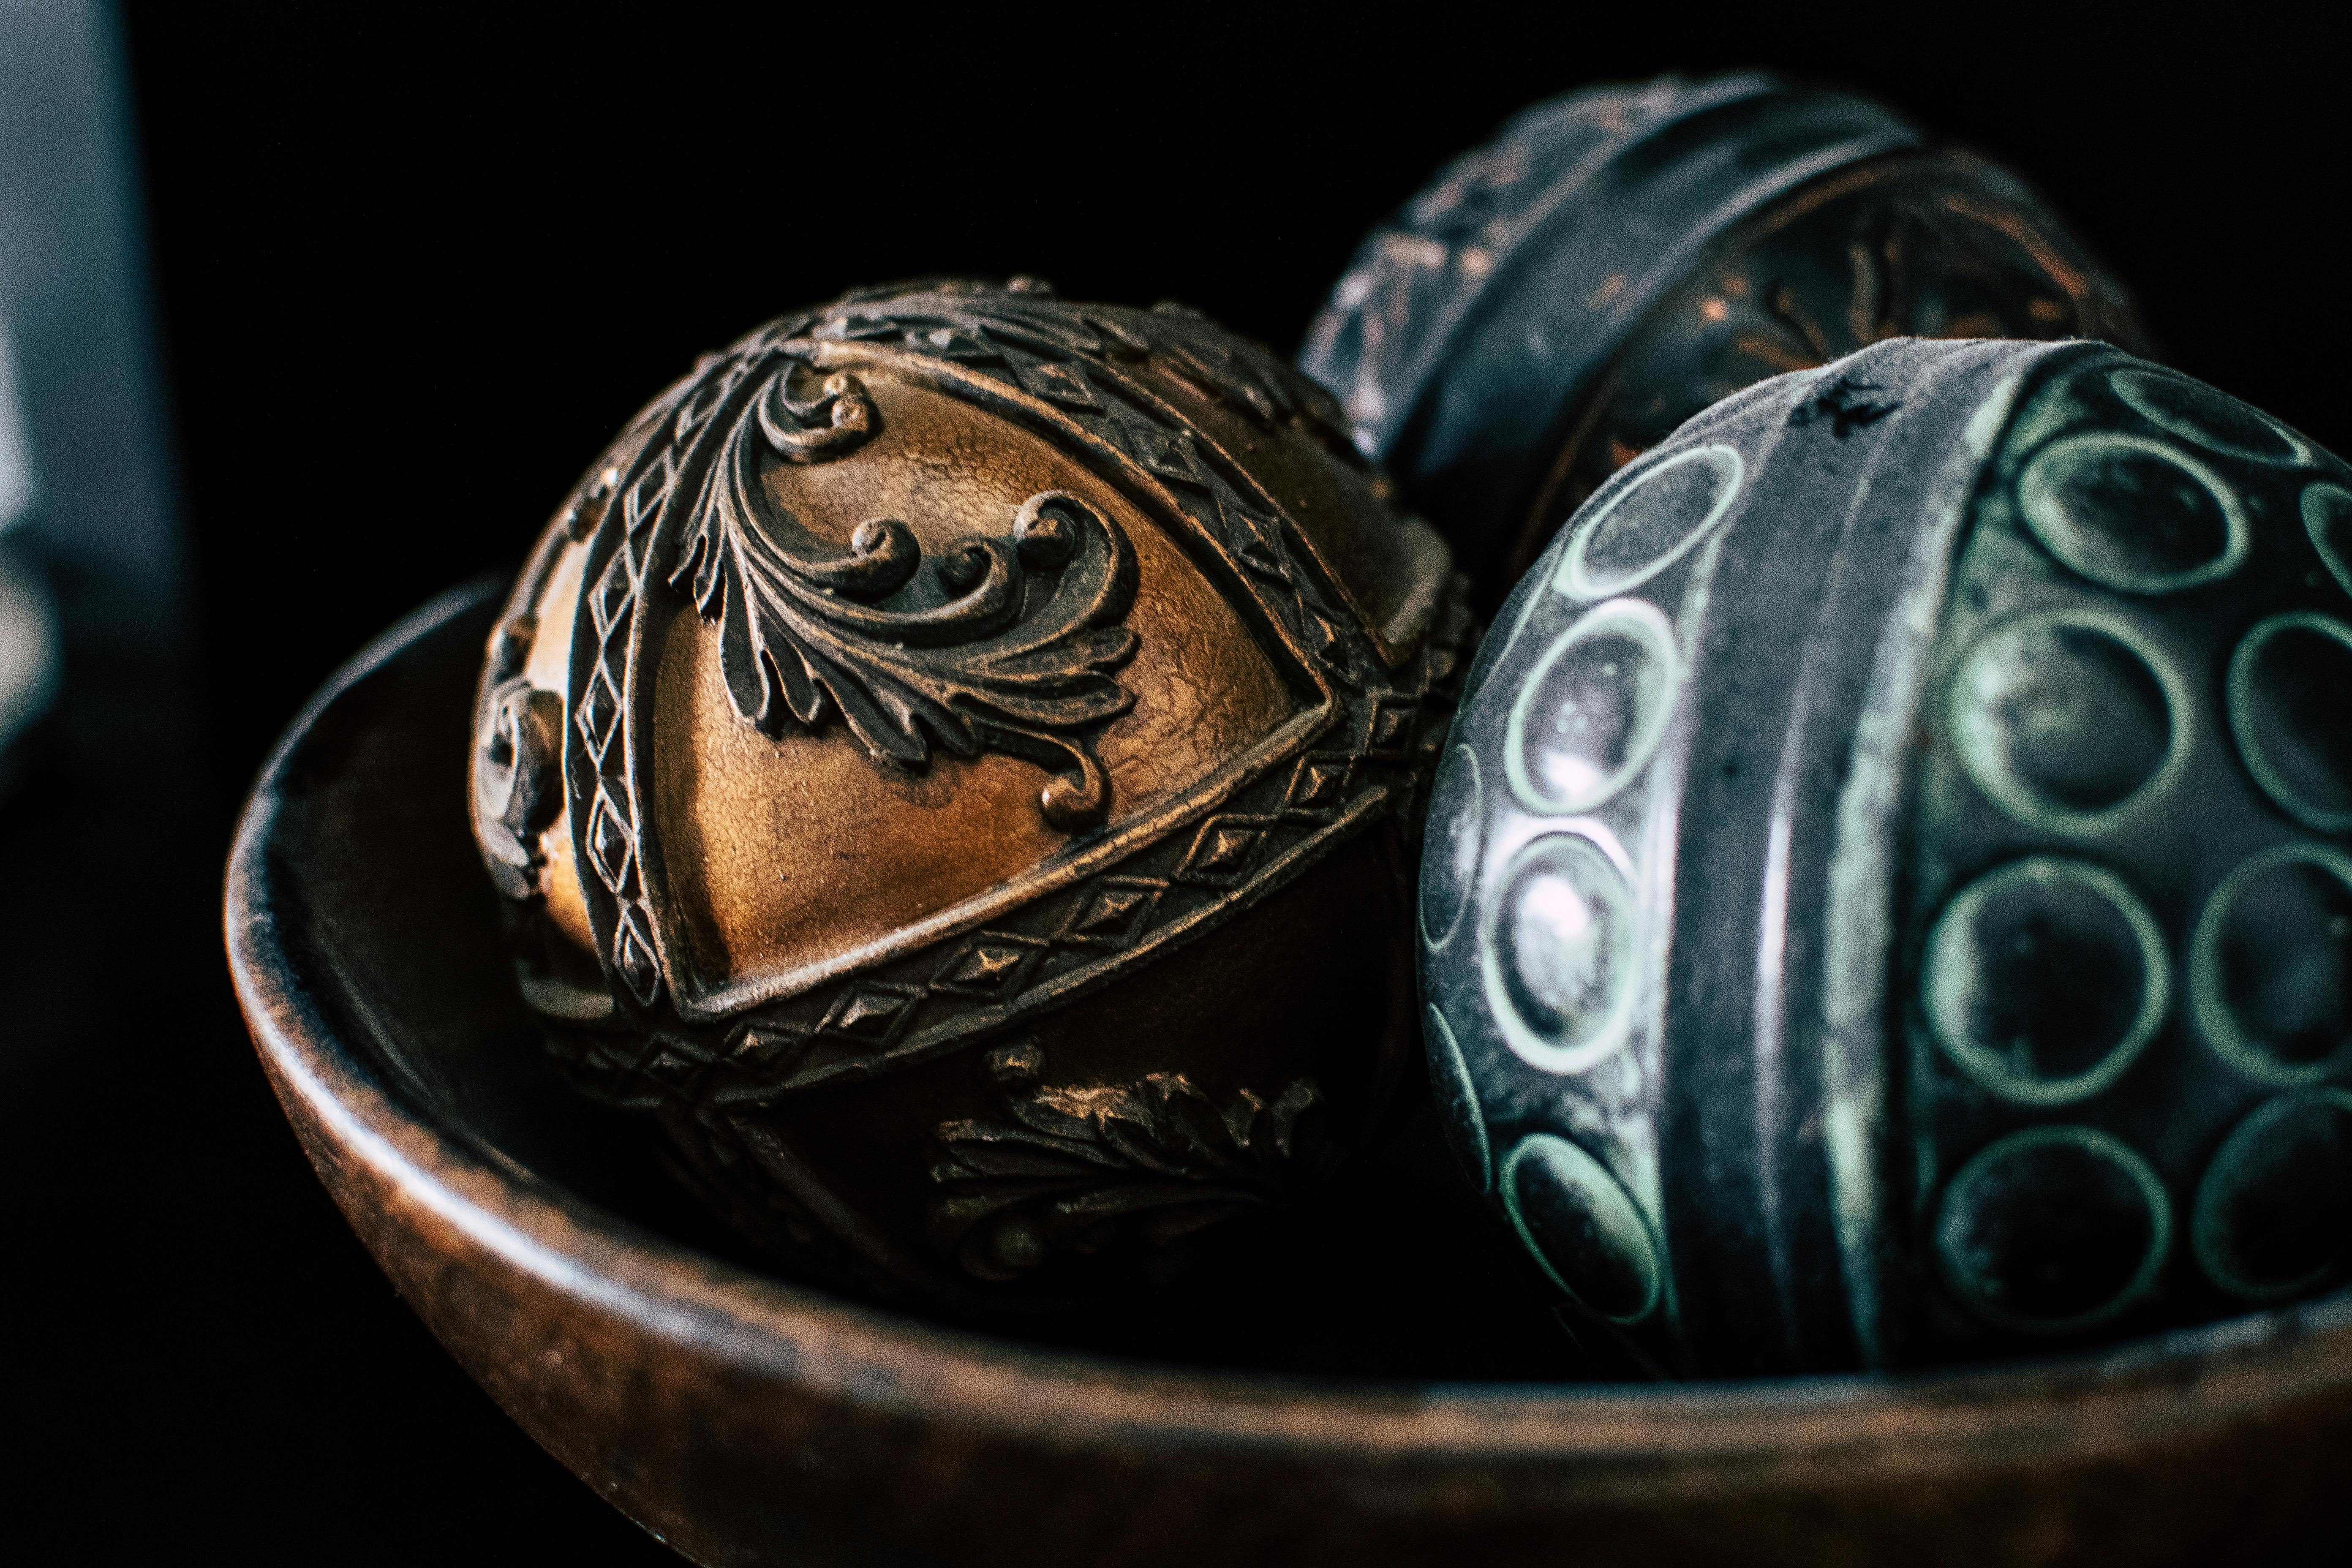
column 2196, row 412
column 1954, row 978
column 2019, row 699
column 2262, row 731
column 2327, row 517
column 1915, row 870
column 1616, row 1237
column 1980, row 1179
column 1650, row 524
column 1567, row 904
column 1620, row 707
column 2236, row 1166
column 1858, row 924
column 2110, row 540
column 2209, row 999
column 1457, row 815
column 1458, row 1099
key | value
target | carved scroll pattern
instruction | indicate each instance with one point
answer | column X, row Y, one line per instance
column 922, row 1003
column 1010, row 650
column 1881, row 252
column 670, row 497
column 1081, row 1170
column 1071, row 356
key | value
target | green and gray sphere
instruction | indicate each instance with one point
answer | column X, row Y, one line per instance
column 1886, row 899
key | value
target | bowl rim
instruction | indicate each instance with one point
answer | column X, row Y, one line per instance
column 2083, row 1405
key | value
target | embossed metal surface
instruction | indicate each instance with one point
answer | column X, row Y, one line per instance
column 949, row 677
column 1886, row 897
column 1616, row 259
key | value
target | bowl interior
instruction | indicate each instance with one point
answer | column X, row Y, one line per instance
column 1397, row 1273
column 386, row 928
column 1444, row 1410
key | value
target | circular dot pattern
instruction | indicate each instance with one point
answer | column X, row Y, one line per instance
column 2290, row 684
column 2273, row 1217
column 2270, row 965
column 1449, row 867
column 1592, row 710
column 2052, row 1229
column 2044, row 980
column 1558, row 953
column 1657, row 518
column 2132, row 514
column 2213, row 420
column 1583, row 1227
column 2067, row 718
column 1457, row 1103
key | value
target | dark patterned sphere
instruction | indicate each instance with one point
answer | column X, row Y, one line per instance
column 1615, row 260
column 1886, row 897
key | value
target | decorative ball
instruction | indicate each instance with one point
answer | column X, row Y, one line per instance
column 950, row 763
column 1616, row 259
column 1886, row 897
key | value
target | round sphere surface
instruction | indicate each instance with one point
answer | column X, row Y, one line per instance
column 1887, row 897
column 1560, row 299
column 948, row 762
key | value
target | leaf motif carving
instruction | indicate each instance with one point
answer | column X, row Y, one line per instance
column 1005, row 644
column 1099, row 358
column 1081, row 1169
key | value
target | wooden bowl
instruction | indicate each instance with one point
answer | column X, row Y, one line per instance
column 744, row 1419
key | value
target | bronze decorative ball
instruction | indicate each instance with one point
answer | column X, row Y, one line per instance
column 1616, row 259
column 950, row 762
column 1886, row 895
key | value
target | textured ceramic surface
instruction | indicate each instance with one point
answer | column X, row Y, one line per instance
column 1616, row 259
column 1886, row 897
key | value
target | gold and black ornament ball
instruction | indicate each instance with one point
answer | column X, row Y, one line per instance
column 953, row 762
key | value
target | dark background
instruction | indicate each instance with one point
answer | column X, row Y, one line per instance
column 413, row 269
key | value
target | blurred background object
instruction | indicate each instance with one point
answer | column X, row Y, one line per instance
column 101, row 818
column 1620, row 257
column 28, row 628
column 90, row 396
column 373, row 238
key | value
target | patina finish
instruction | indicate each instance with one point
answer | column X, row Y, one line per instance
column 1886, row 898
column 747, row 1421
column 951, row 760
column 1560, row 299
